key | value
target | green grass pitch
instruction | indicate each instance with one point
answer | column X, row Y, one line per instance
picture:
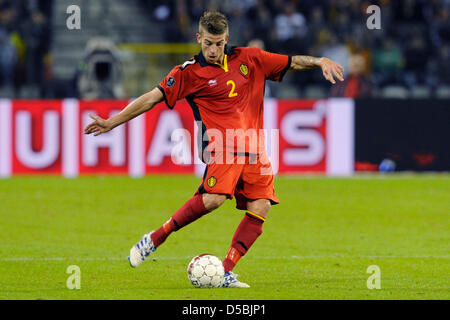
column 317, row 244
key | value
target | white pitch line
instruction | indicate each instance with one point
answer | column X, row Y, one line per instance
column 23, row 259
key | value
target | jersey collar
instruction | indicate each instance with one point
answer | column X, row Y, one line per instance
column 229, row 50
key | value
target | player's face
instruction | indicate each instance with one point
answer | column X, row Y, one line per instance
column 213, row 46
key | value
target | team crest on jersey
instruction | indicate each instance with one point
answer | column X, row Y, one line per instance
column 170, row 82
column 212, row 83
column 244, row 70
column 211, row 181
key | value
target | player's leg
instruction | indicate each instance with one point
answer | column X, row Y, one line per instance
column 246, row 234
column 255, row 194
column 192, row 210
column 260, row 207
column 213, row 191
column 210, row 195
column 249, row 229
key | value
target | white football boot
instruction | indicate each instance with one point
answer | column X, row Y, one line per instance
column 140, row 251
column 231, row 281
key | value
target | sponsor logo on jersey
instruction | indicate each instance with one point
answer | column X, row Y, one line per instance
column 211, row 181
column 244, row 70
column 170, row 82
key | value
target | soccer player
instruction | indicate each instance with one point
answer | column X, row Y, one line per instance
column 224, row 86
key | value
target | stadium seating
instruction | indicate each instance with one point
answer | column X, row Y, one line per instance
column 315, row 92
column 289, row 92
column 443, row 92
column 420, row 92
column 121, row 22
column 394, row 91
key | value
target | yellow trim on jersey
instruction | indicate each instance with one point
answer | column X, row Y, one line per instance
column 225, row 64
column 256, row 216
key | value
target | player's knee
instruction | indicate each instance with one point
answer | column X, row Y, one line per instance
column 265, row 207
column 261, row 207
column 213, row 201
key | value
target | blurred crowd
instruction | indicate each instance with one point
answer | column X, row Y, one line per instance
column 24, row 43
column 412, row 48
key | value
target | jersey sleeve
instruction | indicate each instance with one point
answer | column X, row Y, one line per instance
column 176, row 86
column 274, row 65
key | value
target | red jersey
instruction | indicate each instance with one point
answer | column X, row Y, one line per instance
column 226, row 97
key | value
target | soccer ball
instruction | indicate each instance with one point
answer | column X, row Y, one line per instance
column 206, row 271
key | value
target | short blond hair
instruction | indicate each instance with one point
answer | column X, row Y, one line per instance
column 213, row 22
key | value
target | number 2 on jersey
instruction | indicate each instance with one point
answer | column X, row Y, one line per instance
column 233, row 86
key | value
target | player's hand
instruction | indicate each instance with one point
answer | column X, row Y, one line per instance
column 98, row 126
column 331, row 69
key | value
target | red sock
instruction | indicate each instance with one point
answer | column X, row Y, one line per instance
column 246, row 234
column 193, row 209
column 231, row 259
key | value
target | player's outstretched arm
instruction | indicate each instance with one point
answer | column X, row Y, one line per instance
column 138, row 106
column 330, row 69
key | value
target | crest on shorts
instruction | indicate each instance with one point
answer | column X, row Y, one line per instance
column 244, row 70
column 211, row 181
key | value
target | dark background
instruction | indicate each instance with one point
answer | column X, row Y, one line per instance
column 413, row 133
